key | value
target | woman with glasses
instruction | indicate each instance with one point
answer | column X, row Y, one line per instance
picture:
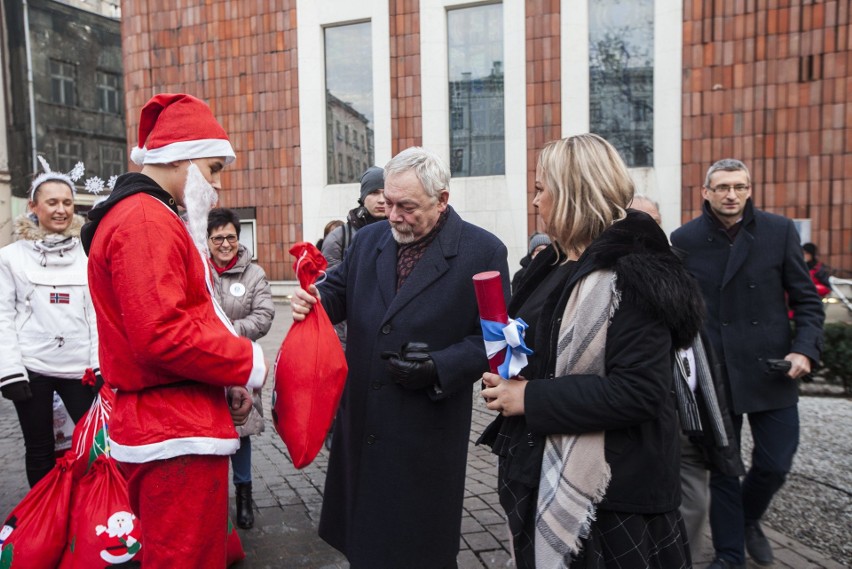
column 588, row 436
column 244, row 294
column 47, row 320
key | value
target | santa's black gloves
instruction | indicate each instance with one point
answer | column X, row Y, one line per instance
column 18, row 391
column 412, row 367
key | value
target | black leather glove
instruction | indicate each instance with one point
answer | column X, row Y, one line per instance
column 412, row 367
column 99, row 382
column 18, row 391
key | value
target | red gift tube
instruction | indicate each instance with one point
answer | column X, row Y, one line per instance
column 492, row 306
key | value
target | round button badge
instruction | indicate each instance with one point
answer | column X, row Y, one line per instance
column 238, row 289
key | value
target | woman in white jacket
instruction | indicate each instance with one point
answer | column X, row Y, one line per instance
column 47, row 320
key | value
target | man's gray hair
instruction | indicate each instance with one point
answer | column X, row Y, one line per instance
column 727, row 165
column 432, row 172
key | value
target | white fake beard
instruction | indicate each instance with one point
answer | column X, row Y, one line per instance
column 199, row 197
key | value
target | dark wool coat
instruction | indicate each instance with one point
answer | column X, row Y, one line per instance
column 747, row 286
column 395, row 483
column 634, row 404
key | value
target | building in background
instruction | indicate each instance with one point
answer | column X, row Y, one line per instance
column 675, row 85
column 5, row 176
column 65, row 87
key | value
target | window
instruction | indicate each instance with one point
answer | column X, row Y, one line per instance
column 68, row 153
column 63, row 83
column 109, row 92
column 349, row 95
column 248, row 236
column 621, row 76
column 112, row 161
column 475, row 46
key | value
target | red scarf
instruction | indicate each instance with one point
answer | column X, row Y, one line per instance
column 230, row 265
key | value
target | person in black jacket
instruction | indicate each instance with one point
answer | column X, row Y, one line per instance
column 707, row 430
column 587, row 435
column 538, row 242
column 750, row 268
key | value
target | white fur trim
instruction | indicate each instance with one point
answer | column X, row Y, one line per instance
column 189, row 149
column 258, row 369
column 173, row 447
column 137, row 155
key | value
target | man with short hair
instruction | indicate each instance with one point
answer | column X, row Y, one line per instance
column 750, row 268
column 164, row 344
column 395, row 484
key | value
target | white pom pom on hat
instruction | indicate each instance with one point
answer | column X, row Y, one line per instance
column 177, row 126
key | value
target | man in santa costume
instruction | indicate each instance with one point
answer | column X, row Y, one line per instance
column 180, row 370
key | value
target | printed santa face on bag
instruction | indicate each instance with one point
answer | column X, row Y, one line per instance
column 119, row 545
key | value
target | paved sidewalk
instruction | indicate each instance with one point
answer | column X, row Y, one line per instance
column 288, row 500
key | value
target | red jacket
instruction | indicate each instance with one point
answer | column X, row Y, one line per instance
column 162, row 344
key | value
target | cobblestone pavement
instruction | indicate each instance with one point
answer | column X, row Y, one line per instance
column 288, row 500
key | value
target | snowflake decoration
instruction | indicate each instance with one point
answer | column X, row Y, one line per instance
column 77, row 172
column 94, row 185
column 111, row 182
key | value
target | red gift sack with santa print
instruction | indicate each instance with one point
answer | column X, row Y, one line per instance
column 34, row 534
column 104, row 531
column 310, row 371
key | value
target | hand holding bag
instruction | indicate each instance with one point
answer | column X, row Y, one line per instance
column 310, row 371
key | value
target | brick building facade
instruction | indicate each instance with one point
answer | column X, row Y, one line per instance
column 766, row 82
column 769, row 82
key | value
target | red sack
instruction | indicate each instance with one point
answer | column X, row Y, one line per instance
column 91, row 438
column 235, row 546
column 310, row 371
column 103, row 530
column 34, row 534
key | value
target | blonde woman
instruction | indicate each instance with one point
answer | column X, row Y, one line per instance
column 587, row 434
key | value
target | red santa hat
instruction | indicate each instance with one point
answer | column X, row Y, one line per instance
column 176, row 126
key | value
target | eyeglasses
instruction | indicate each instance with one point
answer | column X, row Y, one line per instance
column 725, row 188
column 219, row 239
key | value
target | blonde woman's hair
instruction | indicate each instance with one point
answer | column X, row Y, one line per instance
column 591, row 189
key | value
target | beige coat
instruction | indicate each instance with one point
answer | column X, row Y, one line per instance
column 245, row 296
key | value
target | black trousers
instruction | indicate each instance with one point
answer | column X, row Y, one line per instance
column 36, row 418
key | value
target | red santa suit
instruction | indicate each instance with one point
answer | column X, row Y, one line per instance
column 170, row 357
column 164, row 347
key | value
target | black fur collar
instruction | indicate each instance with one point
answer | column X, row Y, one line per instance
column 649, row 274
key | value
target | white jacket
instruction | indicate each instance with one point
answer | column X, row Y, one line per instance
column 47, row 321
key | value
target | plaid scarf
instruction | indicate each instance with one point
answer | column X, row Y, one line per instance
column 410, row 253
column 574, row 472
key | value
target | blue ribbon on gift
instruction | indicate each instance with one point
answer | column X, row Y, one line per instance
column 498, row 336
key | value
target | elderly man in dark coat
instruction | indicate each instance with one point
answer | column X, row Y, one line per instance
column 395, row 483
column 750, row 267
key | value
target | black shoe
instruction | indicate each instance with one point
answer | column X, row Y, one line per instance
column 757, row 545
column 245, row 515
column 720, row 563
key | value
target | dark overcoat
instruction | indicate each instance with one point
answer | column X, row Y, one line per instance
column 747, row 286
column 395, row 483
